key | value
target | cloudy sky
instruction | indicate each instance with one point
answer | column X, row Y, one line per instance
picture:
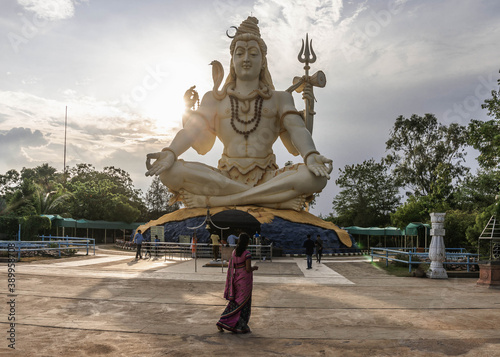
column 122, row 66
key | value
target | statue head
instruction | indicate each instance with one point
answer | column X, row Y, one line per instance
column 249, row 31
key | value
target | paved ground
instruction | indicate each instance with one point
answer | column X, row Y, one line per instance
column 111, row 305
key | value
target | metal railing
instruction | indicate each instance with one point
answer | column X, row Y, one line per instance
column 48, row 243
column 327, row 252
column 79, row 242
column 172, row 250
column 422, row 250
column 454, row 256
column 262, row 252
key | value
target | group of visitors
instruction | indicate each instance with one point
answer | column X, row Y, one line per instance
column 215, row 240
column 310, row 246
column 139, row 240
column 232, row 241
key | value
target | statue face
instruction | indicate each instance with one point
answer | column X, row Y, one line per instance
column 247, row 60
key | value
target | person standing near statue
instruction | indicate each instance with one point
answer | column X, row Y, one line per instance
column 309, row 245
column 194, row 243
column 257, row 242
column 247, row 115
column 147, row 243
column 223, row 241
column 138, row 241
column 232, row 239
column 157, row 241
column 264, row 241
column 319, row 248
column 256, row 238
column 238, row 291
column 215, row 245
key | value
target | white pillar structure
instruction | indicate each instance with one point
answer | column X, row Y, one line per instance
column 437, row 252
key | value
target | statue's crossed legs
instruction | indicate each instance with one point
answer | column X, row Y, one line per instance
column 200, row 185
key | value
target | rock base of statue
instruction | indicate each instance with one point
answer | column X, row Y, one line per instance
column 489, row 274
column 285, row 229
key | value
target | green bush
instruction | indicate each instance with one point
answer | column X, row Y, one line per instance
column 32, row 226
column 9, row 226
column 456, row 224
column 415, row 260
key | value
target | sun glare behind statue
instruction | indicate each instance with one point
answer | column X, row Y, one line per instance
column 166, row 104
column 165, row 107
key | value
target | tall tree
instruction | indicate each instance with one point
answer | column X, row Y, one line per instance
column 158, row 199
column 414, row 209
column 88, row 193
column 52, row 202
column 43, row 175
column 21, row 201
column 107, row 195
column 423, row 150
column 477, row 191
column 9, row 182
column 368, row 195
column 82, row 172
column 456, row 224
column 99, row 200
column 485, row 135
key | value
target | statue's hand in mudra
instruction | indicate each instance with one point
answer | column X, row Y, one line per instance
column 164, row 161
column 319, row 165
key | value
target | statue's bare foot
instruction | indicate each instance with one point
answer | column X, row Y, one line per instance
column 296, row 204
column 191, row 200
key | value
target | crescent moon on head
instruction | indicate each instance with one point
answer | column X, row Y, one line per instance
column 232, row 27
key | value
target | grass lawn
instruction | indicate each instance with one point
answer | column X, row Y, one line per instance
column 401, row 271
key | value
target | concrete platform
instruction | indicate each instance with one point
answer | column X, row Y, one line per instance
column 112, row 305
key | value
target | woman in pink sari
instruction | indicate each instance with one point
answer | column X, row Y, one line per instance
column 238, row 289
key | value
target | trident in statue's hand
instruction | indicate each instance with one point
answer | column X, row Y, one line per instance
column 306, row 82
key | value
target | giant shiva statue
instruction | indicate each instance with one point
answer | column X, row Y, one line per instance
column 247, row 115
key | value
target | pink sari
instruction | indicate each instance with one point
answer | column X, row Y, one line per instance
column 238, row 291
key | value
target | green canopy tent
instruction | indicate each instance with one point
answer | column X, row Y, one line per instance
column 58, row 221
column 109, row 225
column 375, row 231
column 417, row 229
column 414, row 229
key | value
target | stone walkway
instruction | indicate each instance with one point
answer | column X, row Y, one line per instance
column 112, row 305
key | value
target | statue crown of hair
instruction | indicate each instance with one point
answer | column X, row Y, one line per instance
column 247, row 31
column 249, row 26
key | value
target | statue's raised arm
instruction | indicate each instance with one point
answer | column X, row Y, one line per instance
column 301, row 138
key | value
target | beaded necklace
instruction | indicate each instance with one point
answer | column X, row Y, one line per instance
column 256, row 115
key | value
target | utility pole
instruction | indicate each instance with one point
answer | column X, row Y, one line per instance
column 65, row 129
